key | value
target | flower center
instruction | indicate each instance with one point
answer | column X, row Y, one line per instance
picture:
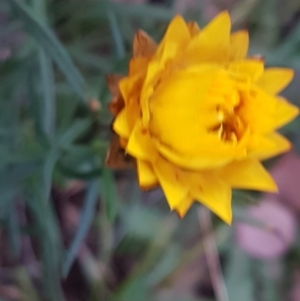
column 230, row 127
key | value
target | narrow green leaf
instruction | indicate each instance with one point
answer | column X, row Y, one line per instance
column 66, row 111
column 48, row 169
column 135, row 289
column 109, row 194
column 64, row 140
column 117, row 36
column 51, row 46
column 47, row 78
column 80, row 174
column 12, row 177
column 96, row 9
column 49, row 239
column 6, row 198
column 13, row 229
column 86, row 219
column 79, row 161
column 77, row 129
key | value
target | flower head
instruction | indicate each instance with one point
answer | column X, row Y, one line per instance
column 199, row 116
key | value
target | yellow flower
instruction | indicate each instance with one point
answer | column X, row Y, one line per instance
column 198, row 116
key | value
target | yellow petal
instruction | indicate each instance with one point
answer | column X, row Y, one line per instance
column 177, row 103
column 177, row 30
column 239, row 43
column 264, row 112
column 182, row 114
column 133, row 113
column 183, row 207
column 177, row 34
column 274, row 80
column 156, row 68
column 140, row 144
column 143, row 44
column 125, row 86
column 130, row 86
column 207, row 188
column 284, row 112
column 138, row 65
column 250, row 69
column 258, row 110
column 168, row 176
column 146, row 175
column 174, row 40
column 213, row 192
column 247, row 174
column 193, row 28
column 130, row 89
column 211, row 43
column 120, row 125
column 212, row 155
column 268, row 146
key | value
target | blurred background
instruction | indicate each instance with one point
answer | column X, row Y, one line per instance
column 72, row 230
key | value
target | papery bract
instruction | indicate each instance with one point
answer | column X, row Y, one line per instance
column 199, row 116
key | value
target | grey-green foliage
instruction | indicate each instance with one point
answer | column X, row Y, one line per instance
column 48, row 136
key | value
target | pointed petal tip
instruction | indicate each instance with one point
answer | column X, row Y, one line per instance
column 149, row 187
column 177, row 19
column 229, row 222
column 179, row 214
column 193, row 28
column 143, row 44
column 224, row 15
column 178, row 24
column 289, row 146
column 242, row 32
column 183, row 207
column 221, row 20
column 287, row 75
column 292, row 72
column 227, row 218
column 272, row 186
column 146, row 176
column 288, row 72
column 120, row 124
column 178, row 16
column 274, row 80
